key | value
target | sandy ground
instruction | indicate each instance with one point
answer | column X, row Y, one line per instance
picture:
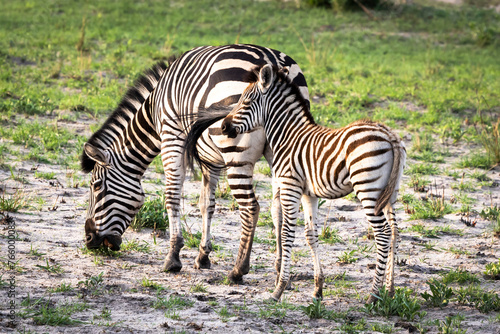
column 49, row 251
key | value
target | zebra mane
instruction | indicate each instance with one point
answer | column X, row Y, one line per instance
column 130, row 104
column 205, row 118
column 295, row 90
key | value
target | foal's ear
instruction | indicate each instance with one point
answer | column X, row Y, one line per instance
column 265, row 77
column 98, row 155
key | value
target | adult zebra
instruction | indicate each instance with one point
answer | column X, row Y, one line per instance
column 154, row 117
column 312, row 161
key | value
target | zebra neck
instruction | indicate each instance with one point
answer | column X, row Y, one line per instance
column 285, row 122
column 136, row 143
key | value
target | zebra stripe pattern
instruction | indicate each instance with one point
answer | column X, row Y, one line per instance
column 154, row 117
column 312, row 161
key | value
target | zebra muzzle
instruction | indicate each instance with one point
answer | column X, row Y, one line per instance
column 228, row 129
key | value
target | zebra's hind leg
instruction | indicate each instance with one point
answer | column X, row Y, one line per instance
column 209, row 179
column 240, row 181
column 389, row 271
column 310, row 205
column 381, row 230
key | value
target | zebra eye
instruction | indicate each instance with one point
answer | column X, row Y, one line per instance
column 97, row 185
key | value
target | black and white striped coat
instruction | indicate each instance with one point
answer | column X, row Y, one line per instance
column 154, row 117
column 312, row 161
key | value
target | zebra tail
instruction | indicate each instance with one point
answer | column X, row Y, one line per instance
column 394, row 178
column 205, row 119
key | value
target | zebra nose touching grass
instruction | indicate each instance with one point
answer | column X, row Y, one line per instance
column 312, row 161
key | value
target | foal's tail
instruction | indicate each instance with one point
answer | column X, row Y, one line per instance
column 389, row 194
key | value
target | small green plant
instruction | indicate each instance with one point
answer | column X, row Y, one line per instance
column 93, row 284
column 466, row 186
column 264, row 170
column 265, row 218
column 330, row 235
column 46, row 176
column 147, row 283
column 14, row 202
column 418, row 183
column 63, row 287
column 136, row 245
column 422, row 169
column 44, row 312
column 451, row 325
column 315, row 310
column 54, row 268
column 224, row 314
column 347, row 257
column 491, row 213
column 382, row 328
column 484, row 301
column 403, row 304
column 104, row 315
column 440, row 293
column 198, row 287
column 35, row 252
column 191, row 240
column 151, row 214
column 492, row 270
column 171, row 303
column 460, row 276
column 223, row 191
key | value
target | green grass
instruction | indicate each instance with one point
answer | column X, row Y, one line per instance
column 152, row 214
column 43, row 312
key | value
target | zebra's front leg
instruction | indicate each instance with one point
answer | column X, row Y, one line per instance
column 209, row 179
column 276, row 213
column 173, row 165
column 290, row 199
column 240, row 181
column 310, row 205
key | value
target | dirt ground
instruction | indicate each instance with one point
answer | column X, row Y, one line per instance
column 49, row 251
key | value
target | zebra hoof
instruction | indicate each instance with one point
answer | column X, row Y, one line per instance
column 202, row 262
column 172, row 265
column 235, row 278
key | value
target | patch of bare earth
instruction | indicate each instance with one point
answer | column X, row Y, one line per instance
column 49, row 235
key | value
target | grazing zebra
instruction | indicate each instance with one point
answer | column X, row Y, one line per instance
column 154, row 117
column 312, row 161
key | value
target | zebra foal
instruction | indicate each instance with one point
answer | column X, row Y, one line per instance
column 312, row 161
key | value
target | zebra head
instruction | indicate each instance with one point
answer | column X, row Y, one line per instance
column 249, row 112
column 115, row 198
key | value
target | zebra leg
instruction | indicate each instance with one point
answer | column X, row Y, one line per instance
column 173, row 164
column 207, row 205
column 275, row 213
column 310, row 205
column 240, row 179
column 290, row 200
column 381, row 230
column 389, row 271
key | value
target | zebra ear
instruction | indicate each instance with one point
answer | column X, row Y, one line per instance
column 96, row 154
column 265, row 77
